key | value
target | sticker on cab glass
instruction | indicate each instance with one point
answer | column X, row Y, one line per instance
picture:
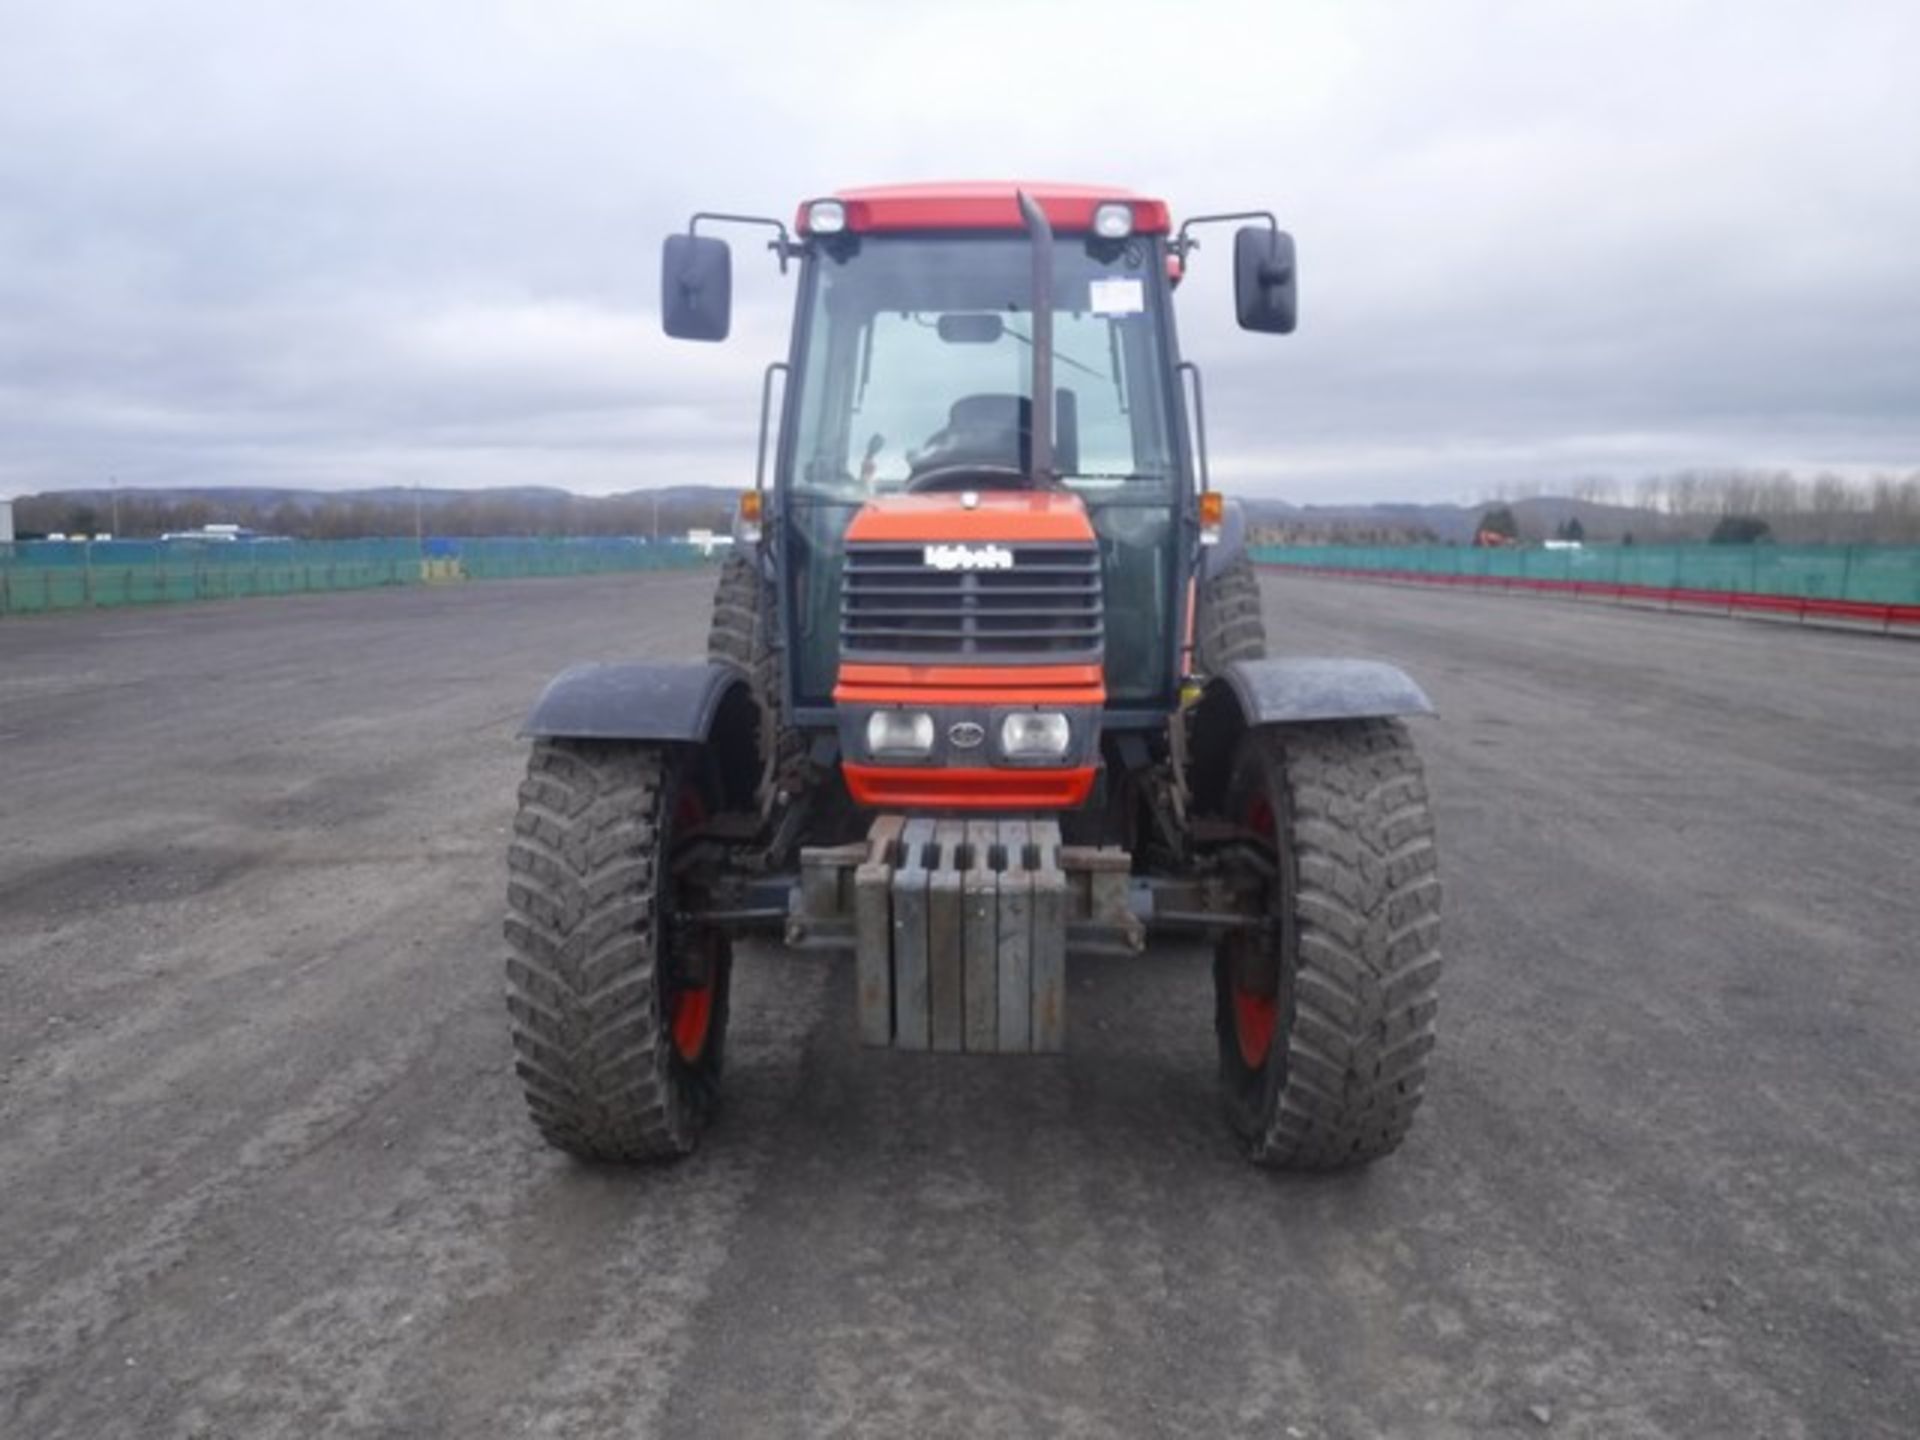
column 1117, row 297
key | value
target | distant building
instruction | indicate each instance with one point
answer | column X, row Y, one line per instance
column 221, row 533
column 6, row 522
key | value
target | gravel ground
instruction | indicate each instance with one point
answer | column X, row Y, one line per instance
column 264, row 1170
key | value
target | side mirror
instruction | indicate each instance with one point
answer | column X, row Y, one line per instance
column 696, row 287
column 1264, row 294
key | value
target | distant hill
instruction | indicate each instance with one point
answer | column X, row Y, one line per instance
column 382, row 510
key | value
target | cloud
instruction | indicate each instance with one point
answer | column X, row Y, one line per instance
column 361, row 244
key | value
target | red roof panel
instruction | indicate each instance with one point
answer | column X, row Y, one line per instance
column 986, row 205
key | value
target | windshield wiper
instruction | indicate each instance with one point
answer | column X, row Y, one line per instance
column 1063, row 359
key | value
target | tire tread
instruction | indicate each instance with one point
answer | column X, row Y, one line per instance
column 582, row 975
column 1366, row 906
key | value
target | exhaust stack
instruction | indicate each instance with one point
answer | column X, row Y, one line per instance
column 1040, row 462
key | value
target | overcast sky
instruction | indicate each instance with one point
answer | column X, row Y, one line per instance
column 354, row 244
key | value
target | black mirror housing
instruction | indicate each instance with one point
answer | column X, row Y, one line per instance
column 696, row 287
column 1265, row 295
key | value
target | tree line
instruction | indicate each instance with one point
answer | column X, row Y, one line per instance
column 1752, row 504
column 1685, row 507
column 1689, row 505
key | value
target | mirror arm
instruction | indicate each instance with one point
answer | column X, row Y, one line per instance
column 1182, row 243
column 783, row 246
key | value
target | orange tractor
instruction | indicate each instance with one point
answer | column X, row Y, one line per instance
column 987, row 690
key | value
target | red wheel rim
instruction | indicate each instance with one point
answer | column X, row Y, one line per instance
column 1255, row 1016
column 690, row 1012
column 692, row 1015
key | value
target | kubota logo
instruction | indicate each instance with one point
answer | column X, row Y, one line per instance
column 969, row 557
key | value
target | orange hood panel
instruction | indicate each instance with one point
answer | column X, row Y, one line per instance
column 1010, row 516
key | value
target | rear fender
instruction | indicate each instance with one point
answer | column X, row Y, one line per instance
column 707, row 704
column 1288, row 691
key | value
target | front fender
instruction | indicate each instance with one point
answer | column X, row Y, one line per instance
column 636, row 700
column 1288, row 691
column 1282, row 690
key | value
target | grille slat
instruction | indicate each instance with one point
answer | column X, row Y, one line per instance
column 892, row 572
column 997, row 592
column 1088, row 613
column 1046, row 604
column 1087, row 635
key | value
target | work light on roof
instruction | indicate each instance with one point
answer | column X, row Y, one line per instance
column 1113, row 220
column 826, row 217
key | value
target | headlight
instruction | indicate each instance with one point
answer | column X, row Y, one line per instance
column 826, row 217
column 900, row 732
column 1036, row 734
column 1113, row 220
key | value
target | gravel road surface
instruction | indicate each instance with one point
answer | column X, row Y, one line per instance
column 264, row 1169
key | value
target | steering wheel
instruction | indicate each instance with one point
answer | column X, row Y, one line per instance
column 968, row 475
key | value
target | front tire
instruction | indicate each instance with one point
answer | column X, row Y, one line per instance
column 1325, row 1019
column 618, row 1016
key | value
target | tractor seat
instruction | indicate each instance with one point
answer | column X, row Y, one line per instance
column 993, row 432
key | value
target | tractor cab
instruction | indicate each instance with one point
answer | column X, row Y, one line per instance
column 985, row 497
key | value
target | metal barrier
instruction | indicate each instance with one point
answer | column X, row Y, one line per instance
column 1870, row 584
column 47, row 575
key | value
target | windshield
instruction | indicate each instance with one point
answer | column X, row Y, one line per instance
column 919, row 354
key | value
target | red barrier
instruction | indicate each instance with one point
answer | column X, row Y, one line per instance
column 1800, row 607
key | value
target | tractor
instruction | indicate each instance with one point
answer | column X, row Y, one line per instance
column 987, row 693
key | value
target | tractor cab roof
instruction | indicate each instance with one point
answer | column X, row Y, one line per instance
column 985, row 205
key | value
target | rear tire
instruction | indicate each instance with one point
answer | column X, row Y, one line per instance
column 618, row 1020
column 1230, row 625
column 740, row 610
column 1325, row 1022
column 740, row 634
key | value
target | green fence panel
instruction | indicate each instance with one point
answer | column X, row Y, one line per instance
column 37, row 576
column 1867, row 574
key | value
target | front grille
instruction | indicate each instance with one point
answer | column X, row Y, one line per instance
column 1047, row 603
